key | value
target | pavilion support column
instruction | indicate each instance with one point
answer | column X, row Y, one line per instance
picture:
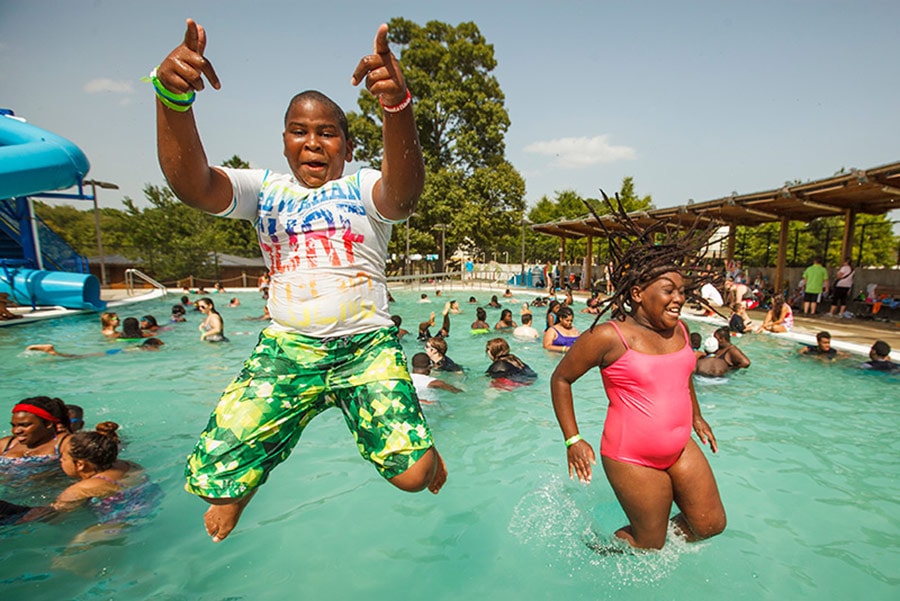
column 782, row 254
column 732, row 237
column 562, row 252
column 849, row 230
column 588, row 265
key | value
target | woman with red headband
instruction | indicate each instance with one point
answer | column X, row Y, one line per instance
column 34, row 442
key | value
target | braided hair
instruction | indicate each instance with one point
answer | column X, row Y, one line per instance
column 640, row 254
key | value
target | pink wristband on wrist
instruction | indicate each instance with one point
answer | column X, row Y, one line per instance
column 397, row 107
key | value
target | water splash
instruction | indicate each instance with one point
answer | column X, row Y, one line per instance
column 572, row 523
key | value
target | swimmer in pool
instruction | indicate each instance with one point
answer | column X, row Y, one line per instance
column 560, row 337
column 823, row 350
column 723, row 358
column 480, row 324
column 213, row 327
column 149, row 344
column 646, row 362
column 115, row 490
column 39, row 426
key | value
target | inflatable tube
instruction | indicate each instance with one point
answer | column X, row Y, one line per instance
column 60, row 288
column 33, row 160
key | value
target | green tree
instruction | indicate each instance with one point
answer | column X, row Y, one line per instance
column 462, row 123
column 822, row 237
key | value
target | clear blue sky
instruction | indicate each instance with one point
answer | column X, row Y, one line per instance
column 694, row 99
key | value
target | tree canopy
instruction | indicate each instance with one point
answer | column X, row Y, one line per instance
column 470, row 187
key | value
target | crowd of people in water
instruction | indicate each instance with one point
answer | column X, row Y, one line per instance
column 48, row 434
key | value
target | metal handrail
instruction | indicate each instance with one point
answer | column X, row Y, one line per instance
column 129, row 280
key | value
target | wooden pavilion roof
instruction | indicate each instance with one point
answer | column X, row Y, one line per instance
column 874, row 191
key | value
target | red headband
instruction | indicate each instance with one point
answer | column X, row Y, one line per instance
column 41, row 413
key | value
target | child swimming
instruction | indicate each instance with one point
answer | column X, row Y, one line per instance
column 114, row 489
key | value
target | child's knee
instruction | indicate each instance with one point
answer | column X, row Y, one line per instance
column 419, row 475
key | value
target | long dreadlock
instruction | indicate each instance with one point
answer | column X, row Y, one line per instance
column 640, row 254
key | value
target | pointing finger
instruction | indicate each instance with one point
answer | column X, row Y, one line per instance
column 192, row 36
column 381, row 42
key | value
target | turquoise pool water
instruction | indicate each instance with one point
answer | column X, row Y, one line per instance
column 808, row 468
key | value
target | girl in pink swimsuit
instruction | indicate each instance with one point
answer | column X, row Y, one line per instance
column 646, row 362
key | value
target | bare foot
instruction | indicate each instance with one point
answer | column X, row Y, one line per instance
column 440, row 474
column 223, row 516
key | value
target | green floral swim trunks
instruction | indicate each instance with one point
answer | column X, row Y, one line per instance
column 290, row 379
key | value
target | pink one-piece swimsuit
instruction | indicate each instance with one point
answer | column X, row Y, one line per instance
column 650, row 411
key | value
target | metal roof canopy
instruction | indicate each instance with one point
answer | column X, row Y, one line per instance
column 874, row 191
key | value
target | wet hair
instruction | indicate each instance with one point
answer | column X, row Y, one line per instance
column 316, row 96
column 881, row 348
column 526, row 319
column 640, row 254
column 438, row 344
column 75, row 411
column 397, row 320
column 480, row 313
column 107, row 317
column 178, row 309
column 564, row 311
column 505, row 313
column 421, row 361
column 696, row 340
column 724, row 333
column 496, row 348
column 131, row 328
column 152, row 342
column 100, row 447
column 151, row 321
column 208, row 301
column 823, row 335
column 51, row 405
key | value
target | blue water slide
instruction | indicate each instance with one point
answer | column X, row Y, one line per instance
column 40, row 288
column 32, row 161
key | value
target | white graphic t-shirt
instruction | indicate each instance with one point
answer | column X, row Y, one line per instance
column 326, row 249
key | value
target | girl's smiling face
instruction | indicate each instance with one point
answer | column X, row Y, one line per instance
column 662, row 299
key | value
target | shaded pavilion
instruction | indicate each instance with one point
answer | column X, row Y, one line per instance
column 872, row 191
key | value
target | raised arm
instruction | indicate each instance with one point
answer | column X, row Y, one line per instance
column 402, row 167
column 180, row 151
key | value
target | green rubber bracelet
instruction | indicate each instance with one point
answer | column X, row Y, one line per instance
column 573, row 440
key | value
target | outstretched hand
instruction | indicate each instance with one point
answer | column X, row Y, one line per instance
column 381, row 70
column 183, row 70
column 581, row 457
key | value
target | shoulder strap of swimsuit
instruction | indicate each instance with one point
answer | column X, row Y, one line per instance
column 619, row 332
column 8, row 444
column 59, row 441
column 106, row 479
column 687, row 335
